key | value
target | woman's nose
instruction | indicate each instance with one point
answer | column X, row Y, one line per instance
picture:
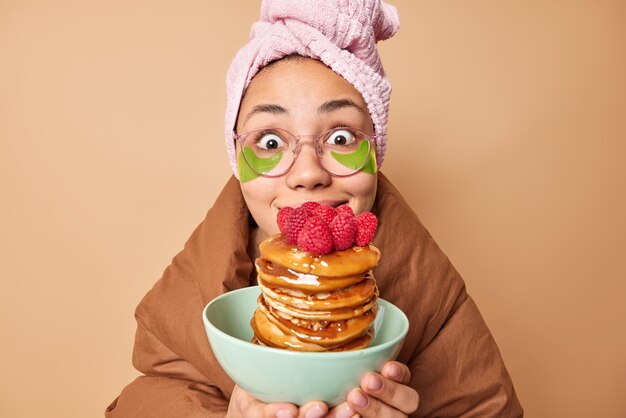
column 306, row 172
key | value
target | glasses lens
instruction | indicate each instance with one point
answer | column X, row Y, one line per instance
column 345, row 151
column 268, row 151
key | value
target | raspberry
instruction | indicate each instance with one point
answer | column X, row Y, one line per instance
column 295, row 222
column 343, row 231
column 310, row 206
column 366, row 224
column 282, row 218
column 345, row 209
column 327, row 213
column 315, row 236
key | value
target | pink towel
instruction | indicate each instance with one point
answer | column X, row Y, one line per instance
column 340, row 33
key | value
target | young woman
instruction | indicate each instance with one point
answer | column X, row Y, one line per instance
column 310, row 80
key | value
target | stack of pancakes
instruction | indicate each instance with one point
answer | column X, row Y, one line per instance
column 315, row 302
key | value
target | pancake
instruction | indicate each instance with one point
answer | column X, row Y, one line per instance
column 315, row 302
column 277, row 275
column 334, row 333
column 336, row 264
column 268, row 334
column 350, row 296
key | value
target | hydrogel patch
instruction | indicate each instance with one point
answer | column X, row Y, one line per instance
column 355, row 159
column 261, row 165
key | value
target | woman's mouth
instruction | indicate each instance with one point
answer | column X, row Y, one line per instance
column 333, row 203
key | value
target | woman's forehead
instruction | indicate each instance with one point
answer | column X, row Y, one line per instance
column 302, row 80
column 296, row 87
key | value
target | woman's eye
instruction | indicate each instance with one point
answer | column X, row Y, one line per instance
column 271, row 142
column 340, row 137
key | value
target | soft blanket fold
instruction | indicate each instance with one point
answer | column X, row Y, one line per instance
column 456, row 366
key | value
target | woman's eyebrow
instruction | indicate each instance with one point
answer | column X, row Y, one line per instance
column 267, row 108
column 333, row 105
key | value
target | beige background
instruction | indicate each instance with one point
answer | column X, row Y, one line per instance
column 508, row 129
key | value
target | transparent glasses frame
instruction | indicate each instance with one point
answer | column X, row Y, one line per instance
column 296, row 150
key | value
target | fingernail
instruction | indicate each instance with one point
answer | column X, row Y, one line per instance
column 344, row 411
column 393, row 371
column 315, row 411
column 374, row 383
column 284, row 413
column 357, row 398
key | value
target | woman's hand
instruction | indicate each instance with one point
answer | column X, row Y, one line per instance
column 244, row 405
column 381, row 395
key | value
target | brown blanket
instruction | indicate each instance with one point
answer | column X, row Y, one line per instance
column 456, row 366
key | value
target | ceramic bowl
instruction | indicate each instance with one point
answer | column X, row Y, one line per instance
column 275, row 375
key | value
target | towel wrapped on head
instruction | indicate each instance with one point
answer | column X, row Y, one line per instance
column 340, row 33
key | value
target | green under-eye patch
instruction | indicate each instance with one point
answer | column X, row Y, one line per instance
column 261, row 165
column 355, row 159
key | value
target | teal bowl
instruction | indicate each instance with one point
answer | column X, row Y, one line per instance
column 274, row 375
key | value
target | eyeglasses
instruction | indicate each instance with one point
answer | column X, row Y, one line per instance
column 341, row 151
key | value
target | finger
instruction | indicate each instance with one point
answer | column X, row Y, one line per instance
column 369, row 407
column 394, row 394
column 342, row 411
column 242, row 404
column 397, row 372
column 280, row 410
column 250, row 407
column 314, row 409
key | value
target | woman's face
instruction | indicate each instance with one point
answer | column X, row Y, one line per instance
column 304, row 97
